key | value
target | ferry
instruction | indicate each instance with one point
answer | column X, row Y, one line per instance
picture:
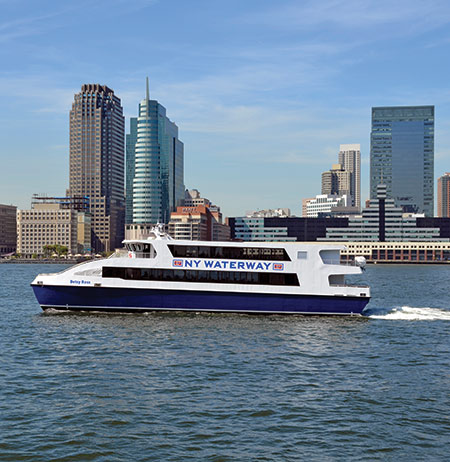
column 163, row 274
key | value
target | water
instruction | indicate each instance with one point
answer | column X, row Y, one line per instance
column 169, row 387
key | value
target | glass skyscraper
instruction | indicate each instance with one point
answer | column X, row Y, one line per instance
column 154, row 165
column 402, row 156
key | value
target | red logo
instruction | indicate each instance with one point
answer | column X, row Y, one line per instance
column 177, row 262
column 278, row 266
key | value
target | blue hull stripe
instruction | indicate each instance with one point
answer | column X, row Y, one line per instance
column 120, row 299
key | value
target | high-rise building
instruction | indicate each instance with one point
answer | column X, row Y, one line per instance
column 443, row 196
column 336, row 181
column 131, row 140
column 350, row 160
column 344, row 178
column 8, row 229
column 402, row 156
column 97, row 129
column 155, row 170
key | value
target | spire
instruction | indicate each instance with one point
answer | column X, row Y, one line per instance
column 147, row 94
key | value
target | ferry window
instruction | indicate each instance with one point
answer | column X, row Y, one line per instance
column 203, row 251
column 302, row 255
column 233, row 253
column 225, row 277
column 330, row 257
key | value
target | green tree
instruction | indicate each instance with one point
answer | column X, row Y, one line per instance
column 49, row 250
column 61, row 249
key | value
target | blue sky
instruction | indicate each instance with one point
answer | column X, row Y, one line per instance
column 263, row 92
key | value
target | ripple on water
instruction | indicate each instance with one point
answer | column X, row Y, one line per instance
column 225, row 388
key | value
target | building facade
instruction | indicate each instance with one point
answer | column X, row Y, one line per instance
column 398, row 252
column 383, row 221
column 8, row 229
column 336, row 182
column 192, row 198
column 402, row 156
column 97, row 130
column 443, row 196
column 269, row 213
column 325, row 203
column 282, row 229
column 46, row 224
column 350, row 160
column 198, row 223
column 155, row 166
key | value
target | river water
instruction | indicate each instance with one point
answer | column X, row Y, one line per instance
column 199, row 387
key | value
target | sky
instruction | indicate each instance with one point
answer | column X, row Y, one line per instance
column 263, row 92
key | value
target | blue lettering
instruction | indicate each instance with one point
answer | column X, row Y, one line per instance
column 250, row 264
column 217, row 265
column 208, row 263
column 197, row 262
column 188, row 263
column 241, row 265
column 224, row 263
column 266, row 265
column 233, row 265
column 259, row 266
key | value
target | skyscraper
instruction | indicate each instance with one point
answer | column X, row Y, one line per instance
column 155, row 170
column 97, row 129
column 336, row 181
column 350, row 160
column 443, row 196
column 402, row 156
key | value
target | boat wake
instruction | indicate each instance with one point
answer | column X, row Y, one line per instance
column 409, row 313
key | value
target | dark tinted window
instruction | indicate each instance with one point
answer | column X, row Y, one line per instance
column 232, row 253
column 225, row 277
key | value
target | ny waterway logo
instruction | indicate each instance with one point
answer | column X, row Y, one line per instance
column 227, row 264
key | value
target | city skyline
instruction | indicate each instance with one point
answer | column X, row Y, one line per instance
column 262, row 96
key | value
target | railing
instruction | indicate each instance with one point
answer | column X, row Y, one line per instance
column 350, row 285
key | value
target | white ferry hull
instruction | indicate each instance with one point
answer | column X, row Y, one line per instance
column 115, row 299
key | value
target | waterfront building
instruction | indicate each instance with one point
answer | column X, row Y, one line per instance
column 198, row 223
column 46, row 224
column 397, row 252
column 383, row 221
column 443, row 196
column 97, row 161
column 402, row 156
column 79, row 204
column 281, row 229
column 155, row 170
column 8, row 229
